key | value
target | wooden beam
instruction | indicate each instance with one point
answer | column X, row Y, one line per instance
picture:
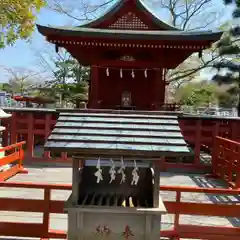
column 128, row 64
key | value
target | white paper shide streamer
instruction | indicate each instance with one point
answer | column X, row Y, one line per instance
column 135, row 174
column 98, row 173
column 121, row 171
column 133, row 74
column 112, row 172
column 107, row 72
column 121, row 73
column 145, row 73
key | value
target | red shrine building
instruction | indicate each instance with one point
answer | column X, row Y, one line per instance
column 129, row 51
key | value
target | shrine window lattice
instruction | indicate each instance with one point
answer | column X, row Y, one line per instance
column 129, row 21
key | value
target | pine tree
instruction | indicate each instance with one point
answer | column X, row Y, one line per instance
column 229, row 51
column 236, row 12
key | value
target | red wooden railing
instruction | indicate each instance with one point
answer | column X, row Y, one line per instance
column 35, row 125
column 204, row 209
column 177, row 207
column 200, row 132
column 14, row 155
column 226, row 161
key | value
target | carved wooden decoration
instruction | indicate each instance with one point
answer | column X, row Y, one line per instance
column 129, row 21
column 127, row 58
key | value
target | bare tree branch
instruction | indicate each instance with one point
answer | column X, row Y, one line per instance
column 188, row 72
column 184, row 12
column 85, row 10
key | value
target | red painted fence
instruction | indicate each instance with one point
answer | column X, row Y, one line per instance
column 177, row 207
column 204, row 209
column 14, row 155
column 226, row 161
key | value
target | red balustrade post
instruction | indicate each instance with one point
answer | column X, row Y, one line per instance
column 230, row 160
column 30, row 136
column 237, row 182
column 215, row 156
column 177, row 215
column 215, row 132
column 46, row 213
column 197, row 147
column 47, row 131
column 237, row 165
column 13, row 128
column 5, row 133
column 20, row 162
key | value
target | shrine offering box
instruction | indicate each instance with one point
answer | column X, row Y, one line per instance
column 114, row 209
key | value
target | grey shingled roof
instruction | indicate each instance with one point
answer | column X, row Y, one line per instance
column 92, row 29
column 129, row 34
column 117, row 134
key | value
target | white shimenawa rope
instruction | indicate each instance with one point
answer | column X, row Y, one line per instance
column 121, row 171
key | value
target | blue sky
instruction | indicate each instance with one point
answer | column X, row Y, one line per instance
column 23, row 54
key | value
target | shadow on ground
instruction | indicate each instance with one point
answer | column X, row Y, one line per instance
column 47, row 165
column 220, row 198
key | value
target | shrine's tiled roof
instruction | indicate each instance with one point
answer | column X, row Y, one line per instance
column 140, row 5
column 117, row 134
column 129, row 34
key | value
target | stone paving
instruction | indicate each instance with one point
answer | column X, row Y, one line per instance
column 62, row 174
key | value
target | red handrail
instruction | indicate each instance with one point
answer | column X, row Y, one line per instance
column 47, row 206
column 15, row 157
column 226, row 161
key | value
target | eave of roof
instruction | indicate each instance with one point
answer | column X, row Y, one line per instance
column 129, row 34
column 119, row 4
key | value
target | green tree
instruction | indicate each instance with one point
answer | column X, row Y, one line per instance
column 229, row 50
column 6, row 87
column 236, row 12
column 74, row 92
column 17, row 19
column 70, row 81
column 70, row 71
column 197, row 94
column 226, row 100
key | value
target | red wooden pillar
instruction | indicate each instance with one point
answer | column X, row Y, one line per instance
column 197, row 148
column 158, row 91
column 5, row 133
column 164, row 73
column 215, row 153
column 5, row 137
column 237, row 170
column 47, row 130
column 30, row 137
column 94, row 92
column 215, row 148
column 234, row 130
column 13, row 127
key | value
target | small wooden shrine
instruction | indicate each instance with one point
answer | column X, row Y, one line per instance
column 115, row 193
column 129, row 50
